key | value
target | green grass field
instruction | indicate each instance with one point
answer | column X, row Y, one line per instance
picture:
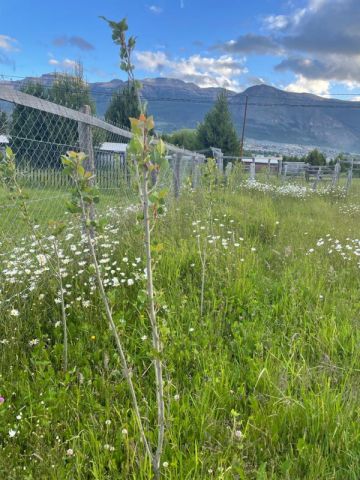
column 265, row 385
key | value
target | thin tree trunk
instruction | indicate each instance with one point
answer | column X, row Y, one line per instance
column 155, row 332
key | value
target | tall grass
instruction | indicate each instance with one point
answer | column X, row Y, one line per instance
column 263, row 385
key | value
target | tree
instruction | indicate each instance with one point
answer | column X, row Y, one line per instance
column 218, row 129
column 124, row 104
column 185, row 138
column 315, row 158
column 292, row 158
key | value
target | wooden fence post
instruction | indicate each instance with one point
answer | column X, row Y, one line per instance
column 336, row 174
column 195, row 161
column 349, row 176
column 317, row 179
column 285, row 172
column 252, row 170
column 176, row 173
column 86, row 146
column 228, row 170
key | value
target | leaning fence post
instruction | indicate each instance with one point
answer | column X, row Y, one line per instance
column 86, row 146
column 176, row 173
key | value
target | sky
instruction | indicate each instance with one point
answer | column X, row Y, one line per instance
column 298, row 45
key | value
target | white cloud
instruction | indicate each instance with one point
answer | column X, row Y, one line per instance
column 155, row 9
column 276, row 22
column 8, row 44
column 303, row 84
column 66, row 64
column 222, row 71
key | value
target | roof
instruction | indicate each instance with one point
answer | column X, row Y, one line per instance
column 4, row 139
column 262, row 160
column 114, row 147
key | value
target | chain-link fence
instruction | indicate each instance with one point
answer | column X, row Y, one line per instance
column 39, row 132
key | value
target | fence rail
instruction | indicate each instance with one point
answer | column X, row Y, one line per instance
column 40, row 131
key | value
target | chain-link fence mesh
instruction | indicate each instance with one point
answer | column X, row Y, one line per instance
column 39, row 132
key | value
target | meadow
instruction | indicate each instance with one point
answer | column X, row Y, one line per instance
column 263, row 384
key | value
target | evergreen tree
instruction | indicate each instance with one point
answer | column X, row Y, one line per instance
column 218, row 129
column 124, row 104
column 315, row 158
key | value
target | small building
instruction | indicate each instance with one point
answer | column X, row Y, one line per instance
column 263, row 162
column 109, row 153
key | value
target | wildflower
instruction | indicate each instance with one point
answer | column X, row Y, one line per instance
column 14, row 312
column 57, row 324
column 238, row 434
column 34, row 342
column 86, row 303
column 165, row 464
column 69, row 452
column 124, row 431
column 144, row 337
column 2, row 400
column 107, row 422
column 176, row 397
column 93, row 337
column 130, row 281
column 41, row 258
column 12, row 433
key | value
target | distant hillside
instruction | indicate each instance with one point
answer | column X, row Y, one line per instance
column 273, row 114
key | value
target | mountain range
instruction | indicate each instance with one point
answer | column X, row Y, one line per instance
column 272, row 114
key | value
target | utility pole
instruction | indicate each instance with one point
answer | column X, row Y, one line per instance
column 243, row 129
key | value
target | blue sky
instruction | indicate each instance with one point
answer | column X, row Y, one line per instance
column 302, row 45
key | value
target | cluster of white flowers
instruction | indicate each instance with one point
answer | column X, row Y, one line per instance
column 293, row 189
column 289, row 189
column 350, row 209
column 348, row 250
column 31, row 263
